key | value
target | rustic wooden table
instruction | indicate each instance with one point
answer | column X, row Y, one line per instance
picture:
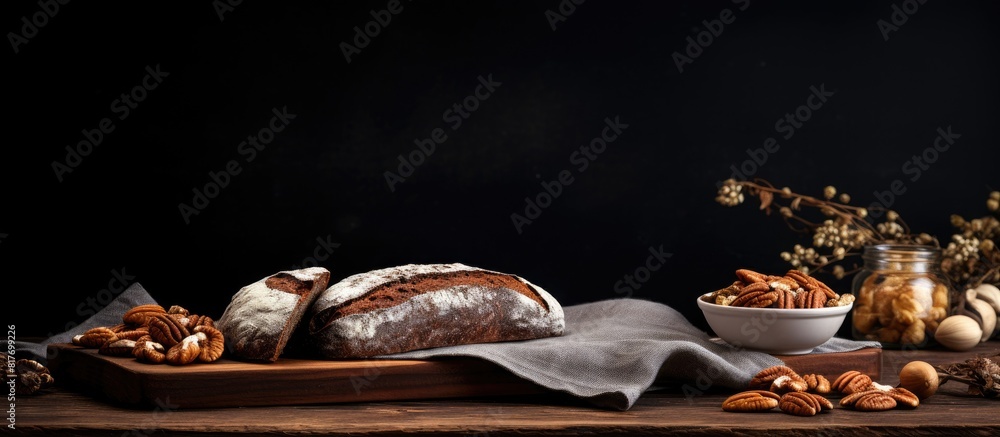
column 666, row 411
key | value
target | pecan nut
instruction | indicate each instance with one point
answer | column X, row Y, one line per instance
column 817, row 383
column 751, row 401
column 869, row 400
column 184, row 352
column 750, row 276
column 167, row 330
column 211, row 342
column 149, row 351
column 803, row 404
column 140, row 315
column 764, row 378
column 117, row 348
column 852, row 381
column 788, row 383
column 95, row 337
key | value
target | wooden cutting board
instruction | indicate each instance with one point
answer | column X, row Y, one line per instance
column 288, row 381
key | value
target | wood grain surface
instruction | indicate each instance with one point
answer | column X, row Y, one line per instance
column 302, row 381
column 64, row 411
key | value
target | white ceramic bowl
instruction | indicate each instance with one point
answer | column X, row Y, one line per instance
column 772, row 330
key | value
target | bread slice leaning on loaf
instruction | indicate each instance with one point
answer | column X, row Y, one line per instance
column 262, row 316
column 420, row 306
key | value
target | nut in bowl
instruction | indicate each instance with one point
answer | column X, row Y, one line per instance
column 781, row 315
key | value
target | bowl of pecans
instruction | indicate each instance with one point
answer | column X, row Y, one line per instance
column 787, row 314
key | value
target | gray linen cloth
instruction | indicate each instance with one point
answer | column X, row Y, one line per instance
column 612, row 351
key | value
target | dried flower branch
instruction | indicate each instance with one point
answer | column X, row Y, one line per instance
column 981, row 374
column 843, row 230
column 972, row 257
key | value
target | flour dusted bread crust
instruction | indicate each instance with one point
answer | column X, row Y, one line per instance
column 262, row 316
column 419, row 306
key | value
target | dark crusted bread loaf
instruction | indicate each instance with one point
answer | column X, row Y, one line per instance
column 419, row 306
column 262, row 316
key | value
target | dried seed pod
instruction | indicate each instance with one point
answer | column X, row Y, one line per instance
column 117, row 348
column 211, row 341
column 817, row 383
column 149, row 351
column 141, row 314
column 184, row 352
column 751, row 401
column 96, row 337
column 167, row 330
column 852, row 381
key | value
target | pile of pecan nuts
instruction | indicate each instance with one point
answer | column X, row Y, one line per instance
column 781, row 387
column 155, row 335
column 793, row 290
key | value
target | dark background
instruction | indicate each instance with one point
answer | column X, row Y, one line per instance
column 323, row 176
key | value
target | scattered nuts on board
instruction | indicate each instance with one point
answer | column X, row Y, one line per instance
column 781, row 387
column 153, row 335
column 29, row 377
column 793, row 290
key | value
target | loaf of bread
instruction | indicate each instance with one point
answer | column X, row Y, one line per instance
column 420, row 306
column 262, row 316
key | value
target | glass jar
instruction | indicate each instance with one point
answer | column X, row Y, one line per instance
column 900, row 295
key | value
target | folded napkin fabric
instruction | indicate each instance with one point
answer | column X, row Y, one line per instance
column 611, row 352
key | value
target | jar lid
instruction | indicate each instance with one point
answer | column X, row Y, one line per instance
column 901, row 252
